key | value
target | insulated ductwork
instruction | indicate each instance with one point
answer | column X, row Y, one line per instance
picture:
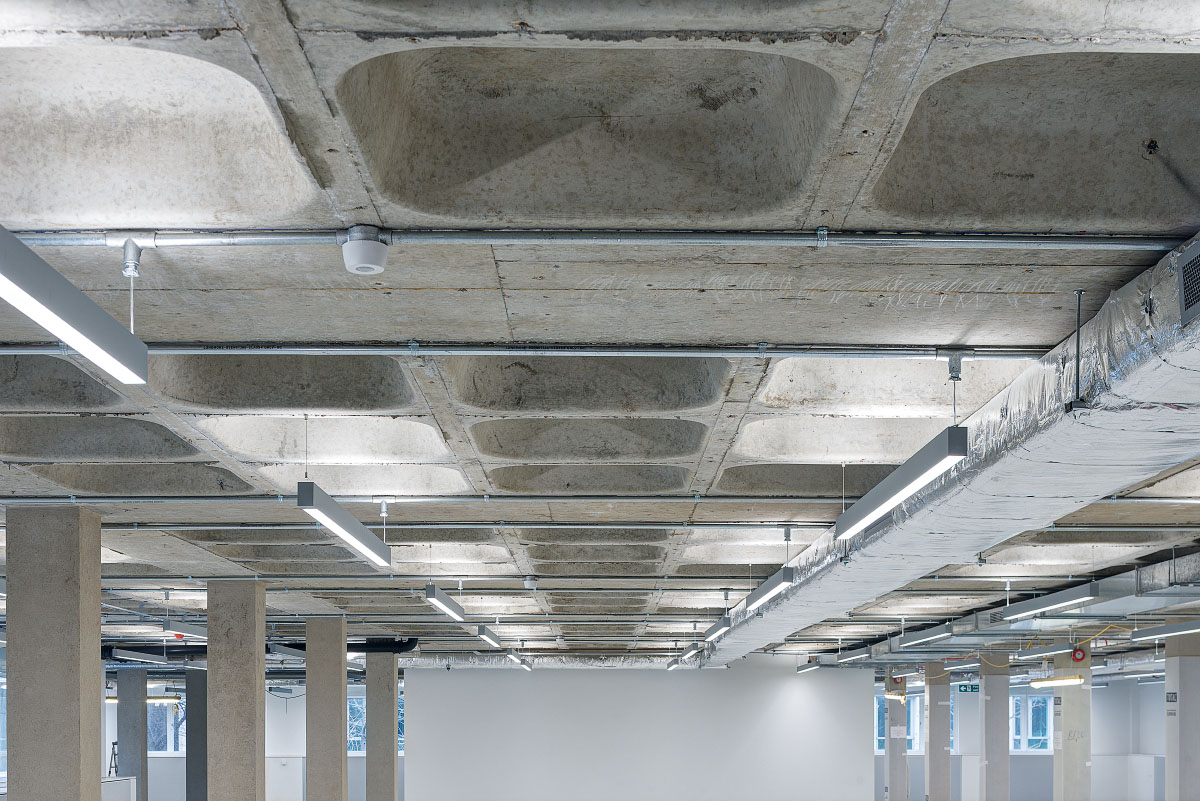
column 1031, row 459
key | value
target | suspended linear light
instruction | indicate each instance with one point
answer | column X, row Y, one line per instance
column 939, row 455
column 138, row 656
column 673, row 664
column 1148, row 680
column 965, row 666
column 854, row 656
column 717, row 629
column 926, row 635
column 39, row 292
column 1056, row 681
column 690, row 651
column 906, row 674
column 489, row 637
column 284, row 650
column 333, row 516
column 770, row 588
column 1045, row 651
column 435, row 596
column 181, row 629
column 1076, row 596
column 524, row 663
column 1162, row 632
column 163, row 699
column 811, row 666
column 513, row 656
column 901, row 697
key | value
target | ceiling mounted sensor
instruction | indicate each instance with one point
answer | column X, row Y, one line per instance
column 939, row 455
column 776, row 584
column 184, row 630
column 1162, row 632
column 363, row 252
column 438, row 598
column 1076, row 596
column 39, row 292
column 333, row 516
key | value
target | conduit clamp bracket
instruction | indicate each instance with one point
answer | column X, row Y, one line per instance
column 822, row 237
column 414, row 347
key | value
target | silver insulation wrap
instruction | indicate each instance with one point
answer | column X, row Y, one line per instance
column 1030, row 462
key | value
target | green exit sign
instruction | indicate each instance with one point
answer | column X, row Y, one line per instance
column 968, row 688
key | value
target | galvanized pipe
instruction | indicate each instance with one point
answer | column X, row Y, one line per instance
column 793, row 351
column 822, row 237
column 471, row 525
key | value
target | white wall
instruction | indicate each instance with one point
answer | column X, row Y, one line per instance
column 757, row 730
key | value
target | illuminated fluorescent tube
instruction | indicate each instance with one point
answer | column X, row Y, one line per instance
column 717, row 629
column 673, row 664
column 1056, row 681
column 939, row 455
column 1162, row 632
column 333, row 516
column 809, row 667
column 691, row 651
column 444, row 602
column 1045, row 651
column 854, row 656
column 39, row 292
column 770, row 588
column 181, row 629
column 163, row 699
column 488, row 636
column 524, row 663
column 964, row 666
column 1076, row 596
column 901, row 697
column 138, row 656
column 513, row 656
column 926, row 635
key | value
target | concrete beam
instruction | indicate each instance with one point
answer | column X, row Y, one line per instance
column 55, row 675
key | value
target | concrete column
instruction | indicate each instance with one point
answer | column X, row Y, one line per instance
column 325, row 709
column 1073, row 728
column 237, row 760
column 937, row 732
column 895, row 748
column 55, row 675
column 383, row 778
column 993, row 733
column 196, row 757
column 1183, row 717
column 132, row 757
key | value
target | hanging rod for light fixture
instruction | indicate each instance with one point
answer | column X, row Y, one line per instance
column 821, row 237
column 413, row 348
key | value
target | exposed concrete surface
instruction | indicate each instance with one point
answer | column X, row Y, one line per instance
column 237, row 760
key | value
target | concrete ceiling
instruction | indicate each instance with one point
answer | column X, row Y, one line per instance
column 855, row 115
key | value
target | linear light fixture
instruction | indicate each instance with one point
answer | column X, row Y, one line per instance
column 717, row 629
column 1075, row 596
column 1056, row 681
column 513, row 656
column 939, row 455
column 1162, row 632
column 163, row 699
column 965, row 666
column 901, row 697
column 181, row 629
column 284, row 650
column 926, row 635
column 853, row 656
column 435, row 596
column 690, row 651
column 906, row 674
column 811, row 666
column 770, row 588
column 488, row 636
column 524, row 663
column 138, row 656
column 43, row 295
column 333, row 516
column 1149, row 680
column 673, row 664
column 1045, row 651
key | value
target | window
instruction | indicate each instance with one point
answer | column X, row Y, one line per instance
column 356, row 724
column 914, row 713
column 1030, row 721
column 166, row 728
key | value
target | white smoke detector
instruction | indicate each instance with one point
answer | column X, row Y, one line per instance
column 362, row 251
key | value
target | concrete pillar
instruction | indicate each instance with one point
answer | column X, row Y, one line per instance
column 196, row 757
column 1073, row 728
column 55, row 675
column 325, row 709
column 895, row 743
column 237, row 760
column 1183, row 717
column 937, row 732
column 993, row 733
column 383, row 778
column 132, row 757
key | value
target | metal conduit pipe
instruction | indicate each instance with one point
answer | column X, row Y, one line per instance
column 821, row 237
column 764, row 350
column 472, row 524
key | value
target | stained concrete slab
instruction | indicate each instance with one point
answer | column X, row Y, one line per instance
column 48, row 384
column 326, row 440
column 89, row 439
column 825, row 439
column 142, row 479
column 594, row 439
column 634, row 479
column 812, row 480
